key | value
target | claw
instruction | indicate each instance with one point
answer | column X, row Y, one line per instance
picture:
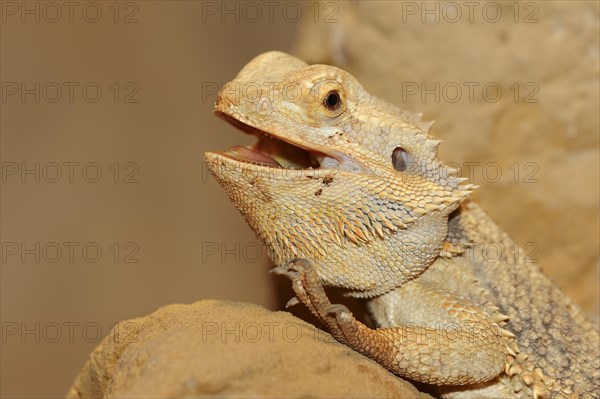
column 278, row 270
column 300, row 264
column 292, row 302
column 293, row 269
column 285, row 271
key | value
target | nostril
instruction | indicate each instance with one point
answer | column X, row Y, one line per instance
column 400, row 159
column 224, row 94
column 223, row 101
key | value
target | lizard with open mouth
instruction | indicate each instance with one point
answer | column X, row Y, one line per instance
column 346, row 190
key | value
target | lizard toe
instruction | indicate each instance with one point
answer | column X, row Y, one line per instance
column 300, row 264
column 287, row 271
column 292, row 302
column 339, row 311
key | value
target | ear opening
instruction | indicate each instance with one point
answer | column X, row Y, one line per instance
column 401, row 159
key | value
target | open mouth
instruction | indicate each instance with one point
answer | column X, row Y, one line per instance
column 271, row 151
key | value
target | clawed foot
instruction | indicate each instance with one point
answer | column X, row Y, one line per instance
column 292, row 270
column 408, row 352
column 451, row 249
column 296, row 272
column 336, row 317
column 309, row 290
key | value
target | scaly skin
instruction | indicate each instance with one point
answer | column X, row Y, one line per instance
column 364, row 201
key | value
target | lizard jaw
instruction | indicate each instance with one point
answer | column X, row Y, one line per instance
column 272, row 151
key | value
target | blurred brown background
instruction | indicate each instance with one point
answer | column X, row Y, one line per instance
column 126, row 89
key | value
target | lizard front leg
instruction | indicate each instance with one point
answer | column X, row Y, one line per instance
column 451, row 343
column 317, row 302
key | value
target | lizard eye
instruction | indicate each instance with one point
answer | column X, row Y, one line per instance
column 332, row 100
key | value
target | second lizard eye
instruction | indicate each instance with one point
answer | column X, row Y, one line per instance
column 333, row 101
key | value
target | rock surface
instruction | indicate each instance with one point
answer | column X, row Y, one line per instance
column 529, row 126
column 229, row 349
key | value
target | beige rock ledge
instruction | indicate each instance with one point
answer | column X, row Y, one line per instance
column 229, row 349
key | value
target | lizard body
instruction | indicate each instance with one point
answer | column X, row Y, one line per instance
column 353, row 187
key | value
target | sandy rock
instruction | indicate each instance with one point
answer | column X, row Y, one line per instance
column 530, row 140
column 229, row 349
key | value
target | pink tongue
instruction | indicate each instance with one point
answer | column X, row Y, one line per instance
column 246, row 154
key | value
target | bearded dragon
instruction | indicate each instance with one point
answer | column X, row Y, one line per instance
column 346, row 190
